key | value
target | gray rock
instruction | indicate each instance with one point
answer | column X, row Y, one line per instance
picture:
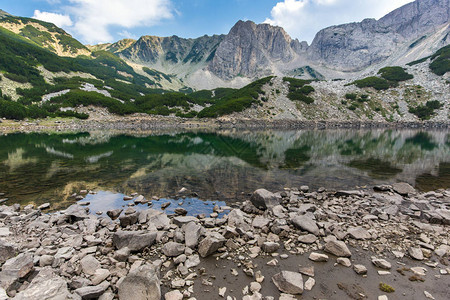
column 403, row 188
column 344, row 261
column 130, row 219
column 360, row 269
column 92, row 292
column 270, row 247
column 141, row 284
column 173, row 295
column 337, row 248
column 445, row 215
column 7, row 251
column 359, row 233
column 305, row 223
column 15, row 269
column 114, row 213
column 210, row 244
column 289, row 282
column 318, row 257
column 45, row 260
column 183, row 220
column 309, row 284
column 172, row 249
column 415, row 253
column 307, row 239
column 192, row 234
column 134, row 240
column 76, row 213
column 89, row 264
column 263, row 199
column 46, row 285
column 192, row 261
column 260, row 222
column 381, row 263
column 122, row 254
column 99, row 276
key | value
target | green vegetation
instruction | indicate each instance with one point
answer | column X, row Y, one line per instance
column 299, row 90
column 374, row 82
column 395, row 74
column 351, row 96
column 69, row 43
column 39, row 37
column 236, row 100
column 386, row 288
column 441, row 61
column 425, row 112
column 157, row 74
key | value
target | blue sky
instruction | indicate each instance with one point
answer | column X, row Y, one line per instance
column 97, row 21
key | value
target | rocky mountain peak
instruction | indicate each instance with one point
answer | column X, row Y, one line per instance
column 250, row 49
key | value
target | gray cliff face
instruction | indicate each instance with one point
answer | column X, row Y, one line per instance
column 150, row 49
column 354, row 46
column 249, row 50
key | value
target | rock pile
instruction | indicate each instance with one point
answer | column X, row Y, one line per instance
column 147, row 254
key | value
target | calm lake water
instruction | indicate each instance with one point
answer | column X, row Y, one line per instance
column 219, row 166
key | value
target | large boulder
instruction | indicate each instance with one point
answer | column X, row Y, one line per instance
column 305, row 223
column 192, row 234
column 338, row 248
column 141, row 284
column 76, row 213
column 211, row 244
column 46, row 285
column 134, row 240
column 289, row 282
column 127, row 220
column 263, row 199
column 403, row 188
column 15, row 269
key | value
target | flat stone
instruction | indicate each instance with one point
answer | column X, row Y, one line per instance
column 318, row 257
column 122, row 254
column 270, row 247
column 173, row 295
column 344, row 261
column 403, row 188
column 99, row 276
column 381, row 263
column 415, row 253
column 308, row 271
column 307, row 239
column 360, row 269
column 141, row 284
column 289, row 282
column 7, row 251
column 92, row 292
column 129, row 219
column 183, row 220
column 359, row 233
column 260, row 222
column 337, row 248
column 309, row 284
column 134, row 240
column 46, row 285
column 89, row 264
column 305, row 223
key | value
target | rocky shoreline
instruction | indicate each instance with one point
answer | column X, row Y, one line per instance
column 140, row 122
column 391, row 242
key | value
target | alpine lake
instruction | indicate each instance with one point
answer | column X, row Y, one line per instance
column 216, row 167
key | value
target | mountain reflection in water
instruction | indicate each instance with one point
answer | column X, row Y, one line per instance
column 223, row 165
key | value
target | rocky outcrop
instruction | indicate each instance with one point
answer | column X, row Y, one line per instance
column 355, row 46
column 250, row 50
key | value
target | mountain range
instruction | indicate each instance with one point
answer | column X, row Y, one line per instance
column 386, row 69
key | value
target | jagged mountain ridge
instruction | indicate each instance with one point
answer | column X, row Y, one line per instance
column 250, row 51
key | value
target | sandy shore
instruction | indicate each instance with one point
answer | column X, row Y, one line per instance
column 293, row 244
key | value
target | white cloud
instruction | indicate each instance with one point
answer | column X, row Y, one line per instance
column 94, row 18
column 57, row 19
column 302, row 19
